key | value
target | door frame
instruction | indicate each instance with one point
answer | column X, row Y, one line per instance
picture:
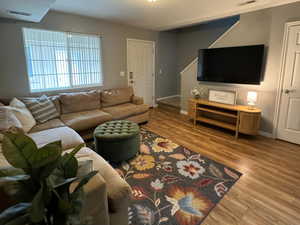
column 154, row 57
column 281, row 75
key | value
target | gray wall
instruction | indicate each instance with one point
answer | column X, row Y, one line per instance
column 190, row 40
column 13, row 74
column 167, row 78
column 261, row 27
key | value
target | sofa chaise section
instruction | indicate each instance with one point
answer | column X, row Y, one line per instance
column 85, row 120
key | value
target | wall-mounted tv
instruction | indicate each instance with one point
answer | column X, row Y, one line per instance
column 239, row 65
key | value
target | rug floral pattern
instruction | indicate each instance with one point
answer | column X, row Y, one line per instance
column 172, row 185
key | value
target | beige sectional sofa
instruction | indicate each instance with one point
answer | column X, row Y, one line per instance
column 84, row 111
column 107, row 194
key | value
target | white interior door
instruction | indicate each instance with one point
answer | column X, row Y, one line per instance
column 289, row 112
column 140, row 68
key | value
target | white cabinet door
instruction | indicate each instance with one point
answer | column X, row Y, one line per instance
column 289, row 112
column 140, row 67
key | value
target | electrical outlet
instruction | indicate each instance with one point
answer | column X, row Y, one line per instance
column 122, row 74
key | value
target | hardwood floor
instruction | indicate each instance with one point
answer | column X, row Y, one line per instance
column 268, row 193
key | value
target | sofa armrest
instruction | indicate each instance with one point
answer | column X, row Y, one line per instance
column 95, row 208
column 137, row 100
column 118, row 190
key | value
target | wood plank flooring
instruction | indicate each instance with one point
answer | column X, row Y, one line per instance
column 268, row 193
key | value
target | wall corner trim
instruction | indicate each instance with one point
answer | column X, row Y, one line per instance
column 211, row 46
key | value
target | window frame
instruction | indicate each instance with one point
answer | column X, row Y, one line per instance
column 101, row 64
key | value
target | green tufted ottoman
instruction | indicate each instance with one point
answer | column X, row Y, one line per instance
column 117, row 141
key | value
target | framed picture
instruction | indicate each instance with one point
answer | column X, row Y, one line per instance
column 225, row 97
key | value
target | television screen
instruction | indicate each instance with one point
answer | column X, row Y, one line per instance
column 240, row 65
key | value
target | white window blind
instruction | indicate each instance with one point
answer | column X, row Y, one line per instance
column 61, row 60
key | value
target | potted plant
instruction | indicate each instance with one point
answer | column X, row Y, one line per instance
column 39, row 183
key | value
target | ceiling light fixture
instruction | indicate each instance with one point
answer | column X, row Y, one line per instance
column 151, row 0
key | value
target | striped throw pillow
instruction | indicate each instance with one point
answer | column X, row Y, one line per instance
column 42, row 108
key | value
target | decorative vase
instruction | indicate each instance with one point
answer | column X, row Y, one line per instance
column 195, row 93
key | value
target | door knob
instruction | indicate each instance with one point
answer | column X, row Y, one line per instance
column 288, row 91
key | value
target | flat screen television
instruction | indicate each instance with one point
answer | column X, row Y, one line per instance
column 239, row 65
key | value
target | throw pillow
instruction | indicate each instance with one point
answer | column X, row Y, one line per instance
column 80, row 101
column 8, row 120
column 42, row 108
column 23, row 114
column 1, row 104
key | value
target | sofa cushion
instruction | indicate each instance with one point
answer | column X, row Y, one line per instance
column 80, row 101
column 84, row 120
column 42, row 108
column 126, row 110
column 68, row 137
column 56, row 102
column 55, row 123
column 116, row 96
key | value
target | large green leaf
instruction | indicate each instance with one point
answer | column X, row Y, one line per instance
column 37, row 211
column 45, row 155
column 85, row 179
column 68, row 156
column 70, row 167
column 13, row 212
column 21, row 151
column 10, row 171
column 69, row 164
column 75, row 150
column 18, row 149
column 20, row 220
column 48, row 169
column 66, row 182
column 14, row 178
column 64, row 206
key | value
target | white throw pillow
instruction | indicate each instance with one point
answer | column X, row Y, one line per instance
column 23, row 114
column 8, row 120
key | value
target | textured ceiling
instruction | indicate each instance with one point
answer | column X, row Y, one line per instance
column 162, row 14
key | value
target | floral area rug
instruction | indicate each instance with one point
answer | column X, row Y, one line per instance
column 172, row 185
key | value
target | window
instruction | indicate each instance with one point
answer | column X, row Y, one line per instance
column 60, row 60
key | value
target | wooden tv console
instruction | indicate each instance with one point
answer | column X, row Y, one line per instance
column 238, row 118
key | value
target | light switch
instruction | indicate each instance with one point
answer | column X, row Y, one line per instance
column 122, row 74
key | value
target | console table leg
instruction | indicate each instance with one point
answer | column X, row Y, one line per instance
column 237, row 126
column 236, row 134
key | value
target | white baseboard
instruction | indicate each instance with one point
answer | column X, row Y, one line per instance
column 265, row 134
column 171, row 96
column 183, row 112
